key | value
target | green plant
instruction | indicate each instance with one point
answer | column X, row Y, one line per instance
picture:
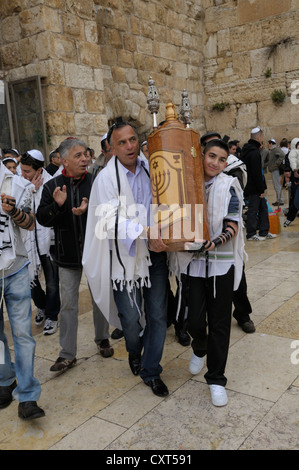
column 278, row 96
column 220, row 106
column 268, row 72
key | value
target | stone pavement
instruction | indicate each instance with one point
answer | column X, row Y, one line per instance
column 100, row 405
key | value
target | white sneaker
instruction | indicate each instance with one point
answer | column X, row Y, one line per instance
column 50, row 327
column 270, row 236
column 196, row 364
column 256, row 238
column 218, row 395
column 40, row 316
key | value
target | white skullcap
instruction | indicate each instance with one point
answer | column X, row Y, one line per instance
column 9, row 159
column 144, row 142
column 104, row 137
column 36, row 154
column 255, row 130
column 273, row 141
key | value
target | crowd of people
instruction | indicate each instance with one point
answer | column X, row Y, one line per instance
column 76, row 214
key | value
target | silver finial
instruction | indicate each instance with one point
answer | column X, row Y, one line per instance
column 186, row 109
column 153, row 100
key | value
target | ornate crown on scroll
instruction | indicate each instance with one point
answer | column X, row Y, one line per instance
column 186, row 109
column 153, row 100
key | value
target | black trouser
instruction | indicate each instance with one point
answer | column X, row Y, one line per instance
column 257, row 216
column 49, row 300
column 241, row 301
column 215, row 312
column 292, row 212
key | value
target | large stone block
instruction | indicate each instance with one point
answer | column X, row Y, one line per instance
column 246, row 116
column 278, row 115
column 79, row 76
column 72, row 26
column 246, row 37
column 286, row 57
column 28, row 50
column 221, row 120
column 59, row 98
column 10, row 29
column 90, row 54
column 84, row 124
column 56, row 123
column 253, row 10
column 95, row 102
column 37, row 19
column 82, row 8
column 221, row 17
column 10, row 55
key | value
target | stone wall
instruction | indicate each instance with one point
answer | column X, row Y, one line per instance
column 251, row 48
column 96, row 57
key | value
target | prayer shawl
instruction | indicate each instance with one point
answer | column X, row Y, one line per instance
column 21, row 190
column 37, row 242
column 217, row 207
column 102, row 265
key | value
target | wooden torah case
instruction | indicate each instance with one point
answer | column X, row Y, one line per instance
column 177, row 182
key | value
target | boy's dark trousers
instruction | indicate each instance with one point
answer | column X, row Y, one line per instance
column 209, row 320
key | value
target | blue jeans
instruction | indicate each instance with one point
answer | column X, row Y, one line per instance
column 155, row 308
column 18, row 303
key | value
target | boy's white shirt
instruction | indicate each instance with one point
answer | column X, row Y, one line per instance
column 217, row 207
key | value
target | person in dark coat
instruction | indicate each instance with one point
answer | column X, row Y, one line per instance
column 257, row 215
column 63, row 206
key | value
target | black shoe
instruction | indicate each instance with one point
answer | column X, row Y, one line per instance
column 182, row 337
column 30, row 410
column 135, row 363
column 105, row 348
column 117, row 334
column 248, row 326
column 6, row 394
column 62, row 364
column 158, row 387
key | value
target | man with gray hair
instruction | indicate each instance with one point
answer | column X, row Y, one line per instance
column 63, row 206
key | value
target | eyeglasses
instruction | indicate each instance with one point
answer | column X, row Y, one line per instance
column 110, row 132
column 118, row 125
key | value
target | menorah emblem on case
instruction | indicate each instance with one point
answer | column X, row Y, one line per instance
column 160, row 183
column 167, row 176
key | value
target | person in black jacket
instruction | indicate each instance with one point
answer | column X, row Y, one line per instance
column 54, row 162
column 257, row 215
column 63, row 206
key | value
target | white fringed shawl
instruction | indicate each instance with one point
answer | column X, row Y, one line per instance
column 40, row 235
column 217, row 207
column 100, row 261
column 20, row 189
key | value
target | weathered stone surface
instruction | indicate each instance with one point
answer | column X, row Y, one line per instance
column 254, row 10
column 10, row 30
column 96, row 57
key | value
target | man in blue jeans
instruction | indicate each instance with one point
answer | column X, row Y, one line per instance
column 16, row 379
column 121, row 250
